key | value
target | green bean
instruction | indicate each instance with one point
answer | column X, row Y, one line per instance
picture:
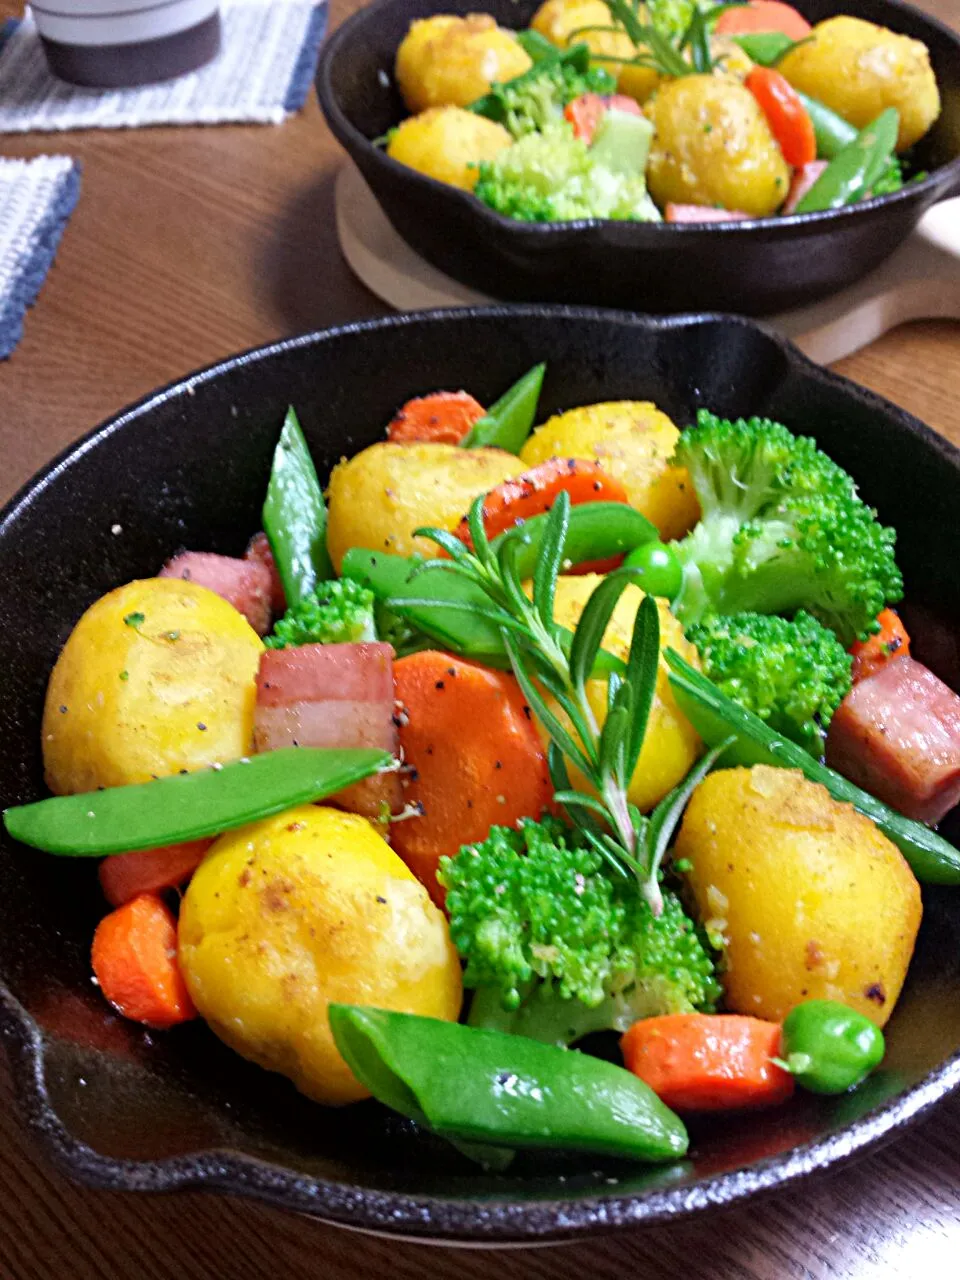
column 849, row 176
column 832, row 131
column 480, row 1086
column 295, row 515
column 507, row 423
column 188, row 806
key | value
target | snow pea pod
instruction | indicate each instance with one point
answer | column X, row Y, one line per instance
column 715, row 716
column 507, row 423
column 188, row 806
column 854, row 170
column 833, row 133
column 766, row 48
column 479, row 1086
column 828, row 1047
column 295, row 515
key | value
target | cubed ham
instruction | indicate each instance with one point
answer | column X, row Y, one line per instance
column 803, row 179
column 897, row 735
column 243, row 583
column 258, row 550
column 702, row 213
column 332, row 695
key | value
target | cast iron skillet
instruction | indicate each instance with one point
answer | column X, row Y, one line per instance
column 754, row 268
column 117, row 1107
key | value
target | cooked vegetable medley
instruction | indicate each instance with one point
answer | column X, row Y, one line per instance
column 674, row 109
column 513, row 736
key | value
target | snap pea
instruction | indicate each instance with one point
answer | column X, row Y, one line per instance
column 480, row 1086
column 491, row 105
column 828, row 1047
column 660, row 572
column 852, row 172
column 188, row 806
column 507, row 423
column 833, row 133
column 715, row 716
column 766, row 48
column 295, row 515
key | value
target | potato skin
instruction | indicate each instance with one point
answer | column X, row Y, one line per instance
column 671, row 746
column 379, row 497
column 633, row 441
column 557, row 20
column 813, row 901
column 450, row 61
column 309, row 907
column 448, row 143
column 712, row 146
column 859, row 69
column 131, row 701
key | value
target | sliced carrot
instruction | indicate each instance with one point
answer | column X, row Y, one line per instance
column 890, row 642
column 763, row 15
column 708, row 1062
column 124, row 875
column 787, row 117
column 476, row 759
column 442, row 418
column 584, row 114
column 134, row 960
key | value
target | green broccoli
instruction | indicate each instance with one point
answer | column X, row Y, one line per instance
column 342, row 611
column 890, row 180
column 557, row 948
column 793, row 675
column 782, row 529
column 672, row 17
column 533, row 103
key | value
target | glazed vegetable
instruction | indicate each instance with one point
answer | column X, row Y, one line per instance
column 487, row 1087
column 447, row 143
column 289, row 915
column 450, row 61
column 188, row 806
column 828, row 1047
column 474, row 758
column 782, row 529
column 508, row 422
column 658, row 569
column 786, row 115
column 445, row 417
column 556, row 947
column 708, row 1062
column 854, row 170
column 793, row 675
column 134, row 959
column 125, row 875
column 715, row 716
column 891, row 641
column 295, row 515
column 536, row 100
column 804, row 894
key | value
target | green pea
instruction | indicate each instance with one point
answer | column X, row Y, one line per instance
column 828, row 1047
column 659, row 566
column 507, row 423
column 295, row 516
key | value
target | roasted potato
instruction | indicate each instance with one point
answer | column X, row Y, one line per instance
column 309, row 907
column 633, row 441
column 156, row 677
column 811, row 900
column 379, row 497
column 671, row 746
column 448, row 143
column 712, row 146
column 858, row 70
column 448, row 61
column 559, row 21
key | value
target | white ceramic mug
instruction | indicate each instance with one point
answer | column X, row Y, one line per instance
column 114, row 43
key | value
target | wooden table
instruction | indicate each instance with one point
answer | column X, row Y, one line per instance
column 188, row 245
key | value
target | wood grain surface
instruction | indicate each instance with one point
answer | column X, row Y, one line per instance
column 188, row 245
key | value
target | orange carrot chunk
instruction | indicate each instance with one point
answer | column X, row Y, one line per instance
column 890, row 642
column 763, row 15
column 134, row 960
column 124, row 875
column 442, row 418
column 475, row 757
column 708, row 1062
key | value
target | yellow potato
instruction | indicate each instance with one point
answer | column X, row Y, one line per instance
column 811, row 899
column 671, row 746
column 633, row 441
column 559, row 21
column 858, row 70
column 448, row 61
column 448, row 143
column 380, row 496
column 729, row 58
column 156, row 677
column 712, row 146
column 291, row 914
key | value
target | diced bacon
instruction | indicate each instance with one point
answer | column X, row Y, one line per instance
column 620, row 102
column 332, row 695
column 243, row 583
column 897, row 735
column 702, row 213
column 803, row 179
column 124, row 875
column 258, row 550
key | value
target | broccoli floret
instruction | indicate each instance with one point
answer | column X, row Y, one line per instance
column 337, row 612
column 672, row 17
column 782, row 529
column 533, row 103
column 793, row 675
column 557, row 948
column 890, row 180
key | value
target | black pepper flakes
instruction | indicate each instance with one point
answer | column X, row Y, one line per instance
column 63, row 710
column 382, row 901
column 439, row 685
column 527, row 712
column 201, row 726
